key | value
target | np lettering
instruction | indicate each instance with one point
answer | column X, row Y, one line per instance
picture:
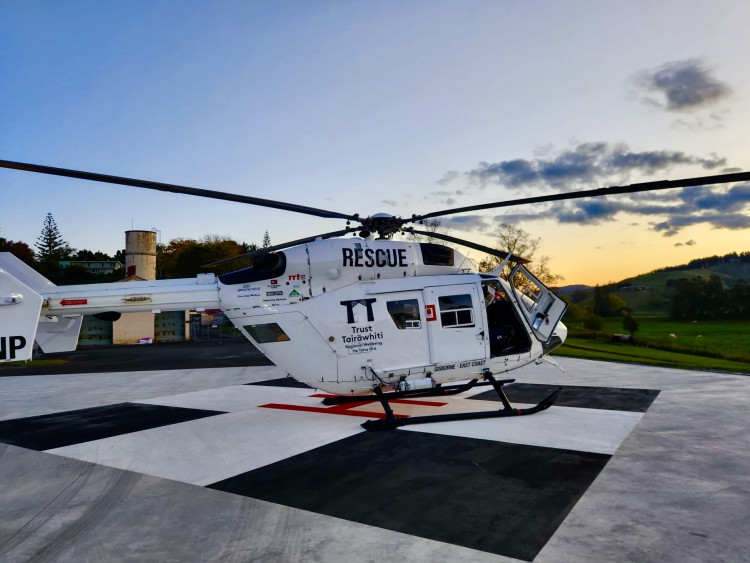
column 9, row 345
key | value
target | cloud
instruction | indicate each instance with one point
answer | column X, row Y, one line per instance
column 389, row 202
column 448, row 177
column 586, row 163
column 592, row 212
column 602, row 164
column 702, row 197
column 466, row 223
column 684, row 85
column 673, row 225
column 700, row 123
column 699, row 204
column 690, row 243
column 682, row 208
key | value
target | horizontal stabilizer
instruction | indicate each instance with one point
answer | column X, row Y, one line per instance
column 58, row 334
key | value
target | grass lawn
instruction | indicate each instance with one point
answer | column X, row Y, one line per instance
column 728, row 334
column 598, row 350
column 729, row 340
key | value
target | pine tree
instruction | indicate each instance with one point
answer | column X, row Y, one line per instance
column 266, row 240
column 51, row 248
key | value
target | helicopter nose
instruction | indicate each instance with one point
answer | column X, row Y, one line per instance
column 557, row 338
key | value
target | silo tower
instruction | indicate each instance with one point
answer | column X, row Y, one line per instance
column 140, row 254
column 140, row 264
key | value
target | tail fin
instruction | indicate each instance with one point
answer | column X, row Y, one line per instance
column 24, row 273
column 20, row 306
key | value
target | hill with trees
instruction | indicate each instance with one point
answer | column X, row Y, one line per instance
column 652, row 293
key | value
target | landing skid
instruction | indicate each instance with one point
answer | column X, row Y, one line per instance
column 390, row 422
column 437, row 391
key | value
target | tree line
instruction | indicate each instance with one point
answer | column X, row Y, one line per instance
column 706, row 299
column 180, row 258
column 707, row 262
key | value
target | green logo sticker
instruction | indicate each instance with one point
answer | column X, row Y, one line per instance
column 294, row 293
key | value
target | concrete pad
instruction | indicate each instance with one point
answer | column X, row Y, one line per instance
column 567, row 428
column 59, row 509
column 235, row 398
column 30, row 396
column 219, row 448
column 676, row 488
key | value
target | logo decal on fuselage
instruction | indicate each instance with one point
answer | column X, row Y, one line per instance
column 353, row 303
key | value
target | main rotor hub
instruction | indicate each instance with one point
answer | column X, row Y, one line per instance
column 384, row 224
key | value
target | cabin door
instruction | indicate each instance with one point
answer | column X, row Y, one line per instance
column 541, row 307
column 455, row 323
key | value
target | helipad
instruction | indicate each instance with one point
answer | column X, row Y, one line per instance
column 237, row 463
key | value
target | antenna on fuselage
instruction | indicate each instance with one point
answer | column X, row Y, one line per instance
column 496, row 271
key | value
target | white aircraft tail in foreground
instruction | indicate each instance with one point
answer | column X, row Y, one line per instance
column 32, row 308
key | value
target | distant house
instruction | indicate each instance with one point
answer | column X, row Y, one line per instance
column 628, row 287
column 95, row 267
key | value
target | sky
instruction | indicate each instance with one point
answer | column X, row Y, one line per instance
column 388, row 106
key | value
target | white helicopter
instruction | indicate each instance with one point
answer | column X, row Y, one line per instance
column 350, row 316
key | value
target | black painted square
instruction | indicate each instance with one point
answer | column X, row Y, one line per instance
column 497, row 497
column 608, row 398
column 282, row 382
column 74, row 427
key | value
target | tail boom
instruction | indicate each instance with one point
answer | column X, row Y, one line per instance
column 34, row 309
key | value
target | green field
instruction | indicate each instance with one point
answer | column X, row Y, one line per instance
column 727, row 338
column 717, row 345
column 597, row 350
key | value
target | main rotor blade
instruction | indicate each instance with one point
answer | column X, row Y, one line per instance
column 269, row 249
column 475, row 246
column 632, row 188
column 175, row 189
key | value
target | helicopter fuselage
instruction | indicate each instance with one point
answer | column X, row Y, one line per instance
column 348, row 314
column 342, row 315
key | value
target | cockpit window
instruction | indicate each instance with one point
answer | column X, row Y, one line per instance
column 493, row 292
column 405, row 313
column 264, row 267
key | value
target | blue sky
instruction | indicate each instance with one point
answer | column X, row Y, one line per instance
column 366, row 107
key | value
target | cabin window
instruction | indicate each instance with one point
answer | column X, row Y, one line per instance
column 436, row 254
column 528, row 290
column 264, row 267
column 265, row 333
column 456, row 310
column 405, row 313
